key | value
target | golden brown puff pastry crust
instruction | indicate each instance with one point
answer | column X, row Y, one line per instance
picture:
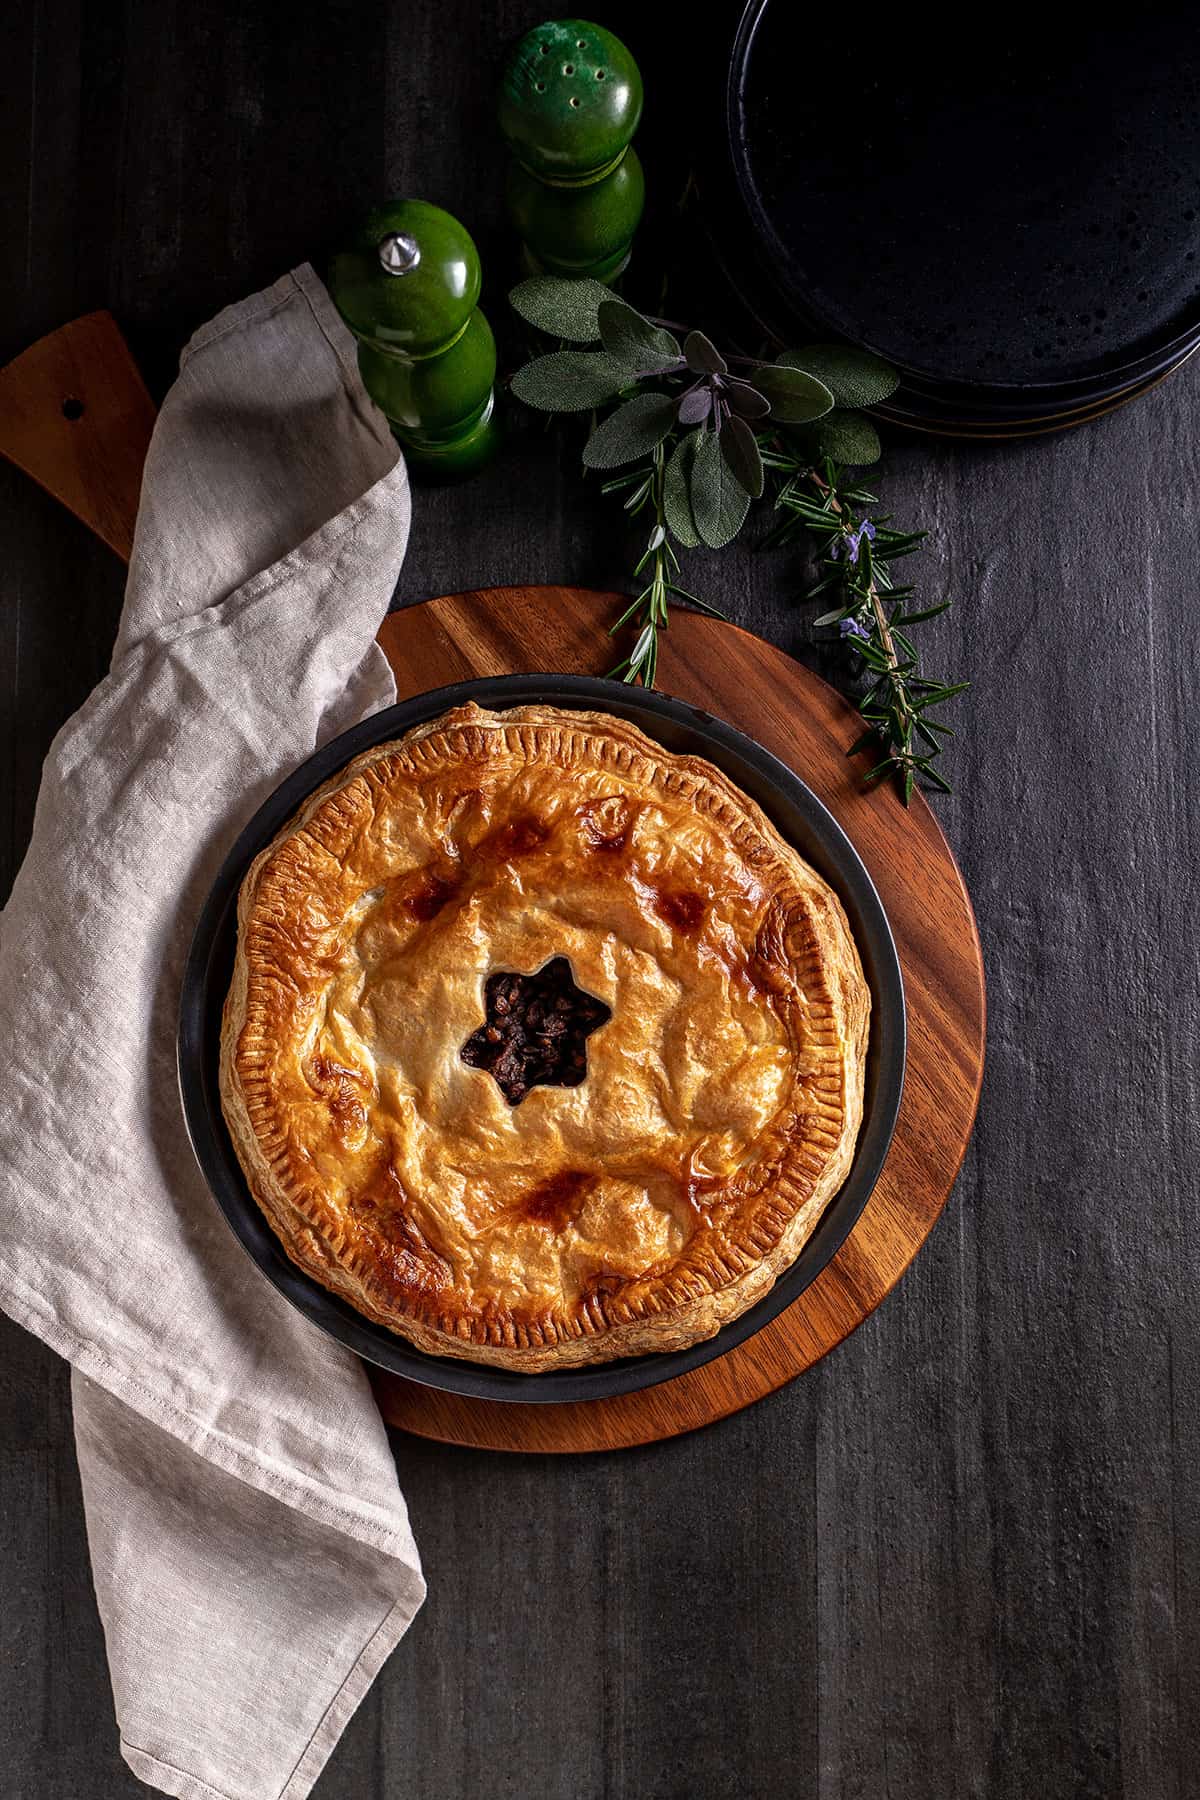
column 637, row 1211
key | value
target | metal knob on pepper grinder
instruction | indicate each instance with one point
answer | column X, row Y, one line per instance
column 408, row 288
column 570, row 101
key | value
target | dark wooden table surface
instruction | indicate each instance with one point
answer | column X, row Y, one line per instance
column 961, row 1558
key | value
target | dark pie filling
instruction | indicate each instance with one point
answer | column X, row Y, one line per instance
column 535, row 1030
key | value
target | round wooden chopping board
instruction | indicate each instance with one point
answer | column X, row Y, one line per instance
column 78, row 420
column 739, row 677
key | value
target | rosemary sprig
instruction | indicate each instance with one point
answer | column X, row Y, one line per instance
column 873, row 616
column 649, row 613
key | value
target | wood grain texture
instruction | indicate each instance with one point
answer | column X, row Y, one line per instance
column 959, row 1559
column 805, row 722
column 75, row 415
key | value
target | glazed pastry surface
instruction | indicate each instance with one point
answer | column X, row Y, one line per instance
column 544, row 1211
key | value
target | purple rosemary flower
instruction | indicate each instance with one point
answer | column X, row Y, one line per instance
column 854, row 628
column 864, row 529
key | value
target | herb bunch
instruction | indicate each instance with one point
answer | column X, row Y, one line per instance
column 693, row 435
column 873, row 616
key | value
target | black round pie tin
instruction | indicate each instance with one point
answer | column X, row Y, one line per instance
column 680, row 728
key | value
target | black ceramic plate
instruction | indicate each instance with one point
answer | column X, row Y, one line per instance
column 1009, row 212
column 803, row 821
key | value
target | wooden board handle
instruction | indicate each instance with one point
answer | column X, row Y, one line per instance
column 75, row 414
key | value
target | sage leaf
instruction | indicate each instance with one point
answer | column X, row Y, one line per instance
column 695, row 406
column 560, row 306
column 702, row 355
column 853, row 377
column 795, row 396
column 746, row 401
column 570, row 380
column 632, row 339
column 633, row 430
column 741, row 452
column 719, row 501
column 848, row 437
column 677, row 506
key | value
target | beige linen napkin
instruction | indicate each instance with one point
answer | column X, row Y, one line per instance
column 250, row 1545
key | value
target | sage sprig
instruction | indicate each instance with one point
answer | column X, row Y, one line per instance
column 709, row 408
column 694, row 433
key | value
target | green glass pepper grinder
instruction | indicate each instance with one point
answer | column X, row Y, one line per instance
column 570, row 100
column 408, row 288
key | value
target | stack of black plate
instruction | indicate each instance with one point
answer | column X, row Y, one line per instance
column 1007, row 208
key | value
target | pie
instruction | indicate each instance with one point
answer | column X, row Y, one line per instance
column 542, row 1046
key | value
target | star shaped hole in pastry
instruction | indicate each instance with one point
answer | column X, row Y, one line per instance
column 535, row 1031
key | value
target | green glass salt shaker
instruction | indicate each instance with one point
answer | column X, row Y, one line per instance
column 408, row 288
column 570, row 101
